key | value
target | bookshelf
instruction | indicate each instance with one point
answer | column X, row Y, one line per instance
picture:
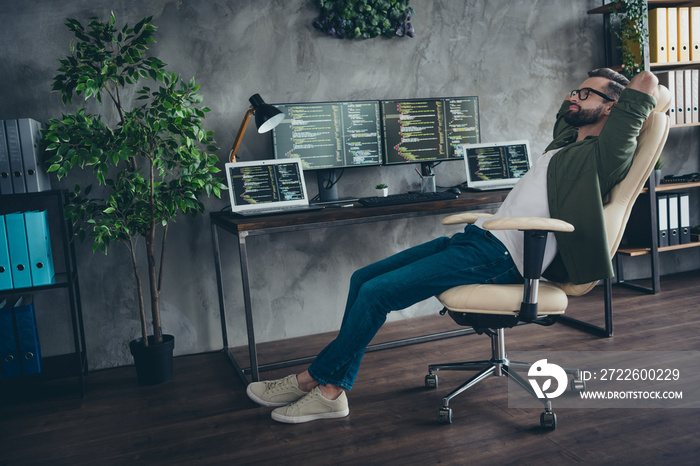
column 74, row 362
column 653, row 251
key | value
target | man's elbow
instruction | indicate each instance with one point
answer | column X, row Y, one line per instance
column 646, row 82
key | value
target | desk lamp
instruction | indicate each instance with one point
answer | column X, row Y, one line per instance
column 266, row 118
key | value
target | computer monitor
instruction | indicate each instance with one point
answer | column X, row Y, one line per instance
column 428, row 131
column 461, row 124
column 329, row 135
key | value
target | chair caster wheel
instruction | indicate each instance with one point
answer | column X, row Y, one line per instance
column 444, row 415
column 548, row 420
column 578, row 385
column 431, row 381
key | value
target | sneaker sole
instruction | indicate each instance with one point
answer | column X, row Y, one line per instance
column 268, row 404
column 309, row 417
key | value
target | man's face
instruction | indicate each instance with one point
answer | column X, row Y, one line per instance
column 589, row 111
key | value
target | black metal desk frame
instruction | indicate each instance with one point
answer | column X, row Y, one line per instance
column 329, row 217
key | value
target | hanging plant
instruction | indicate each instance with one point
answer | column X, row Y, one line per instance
column 364, row 19
column 632, row 33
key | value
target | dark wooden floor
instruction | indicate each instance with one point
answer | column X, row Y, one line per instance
column 204, row 417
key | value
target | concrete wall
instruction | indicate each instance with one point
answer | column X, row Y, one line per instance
column 518, row 56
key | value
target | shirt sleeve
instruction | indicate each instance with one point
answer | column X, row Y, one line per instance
column 618, row 138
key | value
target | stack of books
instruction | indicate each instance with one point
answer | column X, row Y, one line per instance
column 25, row 250
column 674, row 35
column 673, row 221
column 685, row 93
column 20, row 353
column 21, row 157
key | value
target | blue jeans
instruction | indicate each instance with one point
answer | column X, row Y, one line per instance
column 411, row 276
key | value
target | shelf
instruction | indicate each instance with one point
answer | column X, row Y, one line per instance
column 633, row 252
column 609, row 7
column 73, row 363
column 677, row 186
column 674, row 187
column 668, row 3
column 61, row 281
column 663, row 67
column 685, row 125
column 671, row 66
column 605, row 9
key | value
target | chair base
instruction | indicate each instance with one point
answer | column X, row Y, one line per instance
column 499, row 365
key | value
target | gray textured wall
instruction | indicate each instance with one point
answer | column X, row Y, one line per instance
column 518, row 56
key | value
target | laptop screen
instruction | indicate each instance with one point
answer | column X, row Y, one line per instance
column 496, row 165
column 266, row 183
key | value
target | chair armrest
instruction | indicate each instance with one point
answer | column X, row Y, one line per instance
column 510, row 223
column 528, row 223
column 535, row 231
column 467, row 217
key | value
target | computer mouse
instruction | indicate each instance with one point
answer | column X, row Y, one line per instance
column 454, row 190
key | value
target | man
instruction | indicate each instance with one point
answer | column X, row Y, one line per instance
column 594, row 142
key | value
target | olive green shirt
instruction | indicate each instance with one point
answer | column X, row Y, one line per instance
column 579, row 178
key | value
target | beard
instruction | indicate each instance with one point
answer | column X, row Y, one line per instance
column 583, row 117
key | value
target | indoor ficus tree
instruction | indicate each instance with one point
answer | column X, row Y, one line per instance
column 153, row 163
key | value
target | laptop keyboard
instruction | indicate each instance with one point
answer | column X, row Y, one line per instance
column 493, row 187
column 408, row 198
column 278, row 210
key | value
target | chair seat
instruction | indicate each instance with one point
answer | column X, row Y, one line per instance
column 502, row 299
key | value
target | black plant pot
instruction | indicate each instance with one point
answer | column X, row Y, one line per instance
column 154, row 363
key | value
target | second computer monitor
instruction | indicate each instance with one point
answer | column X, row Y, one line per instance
column 429, row 130
column 330, row 135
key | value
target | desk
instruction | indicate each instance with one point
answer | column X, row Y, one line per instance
column 242, row 228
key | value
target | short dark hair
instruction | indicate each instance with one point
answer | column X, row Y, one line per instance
column 616, row 84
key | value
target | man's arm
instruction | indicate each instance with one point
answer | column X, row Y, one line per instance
column 618, row 138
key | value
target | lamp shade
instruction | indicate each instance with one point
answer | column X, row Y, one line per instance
column 266, row 115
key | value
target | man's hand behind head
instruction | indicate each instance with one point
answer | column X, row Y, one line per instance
column 646, row 82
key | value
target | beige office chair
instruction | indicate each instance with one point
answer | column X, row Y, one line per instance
column 492, row 308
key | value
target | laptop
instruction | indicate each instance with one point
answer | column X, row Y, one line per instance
column 264, row 187
column 496, row 165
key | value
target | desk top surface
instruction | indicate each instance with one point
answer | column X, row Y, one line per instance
column 355, row 214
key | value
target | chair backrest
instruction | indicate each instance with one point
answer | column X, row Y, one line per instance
column 650, row 143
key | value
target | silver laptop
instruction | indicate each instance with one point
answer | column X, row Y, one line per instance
column 264, row 187
column 496, row 165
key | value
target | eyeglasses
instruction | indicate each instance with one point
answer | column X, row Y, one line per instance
column 583, row 94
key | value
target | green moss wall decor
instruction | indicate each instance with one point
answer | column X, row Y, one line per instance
column 364, row 19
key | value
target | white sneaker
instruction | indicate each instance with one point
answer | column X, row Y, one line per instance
column 311, row 407
column 273, row 393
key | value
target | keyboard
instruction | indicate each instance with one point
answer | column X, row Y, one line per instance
column 278, row 210
column 689, row 178
column 408, row 198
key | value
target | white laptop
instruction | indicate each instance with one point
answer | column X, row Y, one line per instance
column 264, row 187
column 496, row 165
